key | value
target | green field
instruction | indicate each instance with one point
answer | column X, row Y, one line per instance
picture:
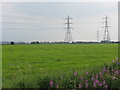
column 28, row 63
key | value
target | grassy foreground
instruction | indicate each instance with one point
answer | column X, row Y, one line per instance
column 106, row 78
column 34, row 65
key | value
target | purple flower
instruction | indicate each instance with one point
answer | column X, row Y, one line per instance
column 57, row 86
column 118, row 62
column 51, row 83
column 75, row 73
column 81, row 78
column 92, row 78
column 86, row 81
column 116, row 72
column 96, row 76
column 101, row 74
column 86, row 85
column 96, row 81
column 86, row 73
column 94, row 85
column 113, row 61
column 116, row 59
column 113, row 78
column 80, row 85
column 106, row 86
column 100, row 84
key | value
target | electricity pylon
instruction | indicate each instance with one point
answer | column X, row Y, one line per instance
column 68, row 36
column 106, row 32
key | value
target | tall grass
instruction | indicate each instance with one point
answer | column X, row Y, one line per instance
column 107, row 77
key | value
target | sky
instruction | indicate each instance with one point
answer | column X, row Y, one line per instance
column 45, row 21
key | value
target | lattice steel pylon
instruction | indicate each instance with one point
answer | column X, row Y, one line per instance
column 106, row 32
column 68, row 36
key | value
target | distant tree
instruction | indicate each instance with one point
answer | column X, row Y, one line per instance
column 32, row 42
column 12, row 43
column 105, row 41
column 37, row 42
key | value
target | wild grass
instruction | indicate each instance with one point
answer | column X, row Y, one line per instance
column 31, row 66
column 107, row 77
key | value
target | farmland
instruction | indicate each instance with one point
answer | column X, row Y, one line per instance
column 26, row 65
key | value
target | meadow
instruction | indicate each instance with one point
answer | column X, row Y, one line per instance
column 32, row 66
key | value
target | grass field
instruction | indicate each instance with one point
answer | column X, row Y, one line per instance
column 28, row 63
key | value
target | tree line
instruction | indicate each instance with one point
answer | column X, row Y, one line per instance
column 56, row 42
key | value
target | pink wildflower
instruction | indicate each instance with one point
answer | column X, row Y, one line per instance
column 100, row 73
column 57, row 86
column 96, row 76
column 118, row 62
column 113, row 61
column 86, row 85
column 116, row 59
column 80, row 85
column 113, row 78
column 94, row 85
column 92, row 78
column 106, row 86
column 86, row 81
column 100, row 84
column 86, row 73
column 51, row 83
column 75, row 73
column 96, row 81
column 116, row 72
column 81, row 78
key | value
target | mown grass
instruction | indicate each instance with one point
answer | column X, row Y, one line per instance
column 32, row 65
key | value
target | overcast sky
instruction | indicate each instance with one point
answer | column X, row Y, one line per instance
column 44, row 21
